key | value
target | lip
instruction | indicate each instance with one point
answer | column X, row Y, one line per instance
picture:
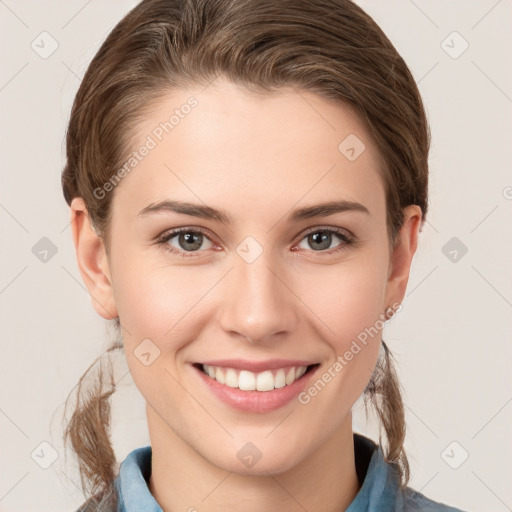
column 255, row 401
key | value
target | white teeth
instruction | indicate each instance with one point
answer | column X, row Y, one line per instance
column 300, row 372
column 290, row 376
column 280, row 379
column 219, row 376
column 265, row 381
column 249, row 381
column 231, row 378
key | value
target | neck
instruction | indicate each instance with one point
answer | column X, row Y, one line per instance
column 182, row 480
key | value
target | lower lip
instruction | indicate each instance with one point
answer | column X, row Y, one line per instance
column 256, row 401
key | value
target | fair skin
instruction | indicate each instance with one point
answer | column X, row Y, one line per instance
column 258, row 157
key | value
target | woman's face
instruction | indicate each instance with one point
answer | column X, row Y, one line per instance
column 261, row 289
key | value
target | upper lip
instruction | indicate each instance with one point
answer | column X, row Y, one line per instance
column 257, row 366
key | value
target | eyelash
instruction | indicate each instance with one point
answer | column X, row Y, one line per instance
column 347, row 240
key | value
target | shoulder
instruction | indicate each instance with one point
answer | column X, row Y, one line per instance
column 414, row 501
column 105, row 501
column 381, row 488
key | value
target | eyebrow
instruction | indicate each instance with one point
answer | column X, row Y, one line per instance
column 207, row 212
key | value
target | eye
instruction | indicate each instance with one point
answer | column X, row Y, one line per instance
column 187, row 241
column 321, row 239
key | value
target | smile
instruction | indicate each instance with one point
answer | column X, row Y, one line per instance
column 255, row 386
column 248, row 381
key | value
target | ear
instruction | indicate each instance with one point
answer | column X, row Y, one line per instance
column 92, row 261
column 401, row 255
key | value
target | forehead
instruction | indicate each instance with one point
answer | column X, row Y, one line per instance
column 231, row 148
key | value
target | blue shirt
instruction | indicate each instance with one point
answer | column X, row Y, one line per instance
column 380, row 490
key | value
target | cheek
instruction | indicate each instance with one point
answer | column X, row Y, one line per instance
column 349, row 305
column 346, row 298
column 149, row 305
column 151, row 298
column 153, row 306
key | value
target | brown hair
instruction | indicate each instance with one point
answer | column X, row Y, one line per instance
column 330, row 47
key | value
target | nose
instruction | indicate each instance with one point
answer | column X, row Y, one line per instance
column 258, row 304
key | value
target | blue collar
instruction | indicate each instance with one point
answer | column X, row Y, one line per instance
column 380, row 491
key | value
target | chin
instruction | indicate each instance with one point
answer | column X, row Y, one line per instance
column 254, row 461
column 260, row 468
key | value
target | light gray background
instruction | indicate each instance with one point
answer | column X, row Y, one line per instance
column 452, row 339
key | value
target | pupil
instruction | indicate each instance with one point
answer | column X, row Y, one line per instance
column 190, row 238
column 322, row 238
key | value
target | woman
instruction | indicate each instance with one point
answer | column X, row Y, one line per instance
column 247, row 181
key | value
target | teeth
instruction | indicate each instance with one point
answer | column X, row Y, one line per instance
column 280, row 379
column 300, row 372
column 290, row 376
column 231, row 378
column 219, row 376
column 249, row 381
column 265, row 381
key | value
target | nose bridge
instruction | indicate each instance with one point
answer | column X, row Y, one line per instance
column 258, row 305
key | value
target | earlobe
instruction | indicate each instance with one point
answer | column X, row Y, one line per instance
column 402, row 254
column 92, row 261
